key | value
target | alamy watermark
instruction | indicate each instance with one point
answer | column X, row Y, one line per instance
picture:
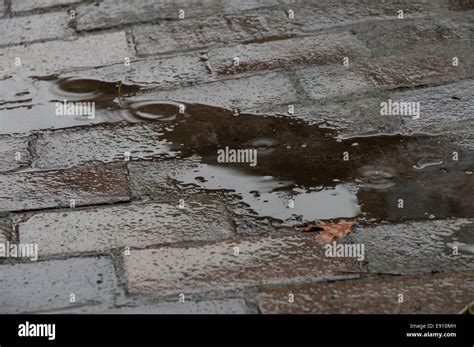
column 345, row 250
column 19, row 250
column 400, row 108
column 229, row 155
column 77, row 108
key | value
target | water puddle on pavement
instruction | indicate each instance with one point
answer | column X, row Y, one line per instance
column 30, row 105
column 302, row 172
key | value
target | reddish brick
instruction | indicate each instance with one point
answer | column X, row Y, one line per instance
column 287, row 54
column 86, row 185
column 427, row 294
column 213, row 266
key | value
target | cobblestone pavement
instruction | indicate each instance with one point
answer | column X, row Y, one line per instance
column 131, row 209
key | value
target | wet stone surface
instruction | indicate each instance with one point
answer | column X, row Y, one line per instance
column 86, row 185
column 243, row 93
column 112, row 13
column 106, row 143
column 400, row 71
column 442, row 294
column 327, row 13
column 29, row 5
column 30, row 29
column 260, row 260
column 42, row 286
column 225, row 306
column 209, row 170
column 287, row 54
column 127, row 225
column 162, row 73
column 14, row 153
column 395, row 37
column 43, row 58
column 198, row 33
column 418, row 247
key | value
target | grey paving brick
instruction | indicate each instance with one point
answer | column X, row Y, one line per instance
column 32, row 287
column 86, row 185
column 224, row 306
column 162, row 72
column 47, row 57
column 154, row 178
column 10, row 148
column 33, row 28
column 245, row 5
column 388, row 72
column 428, row 294
column 446, row 108
column 28, row 5
column 218, row 306
column 136, row 225
column 262, row 260
column 395, row 37
column 209, row 31
column 111, row 13
column 417, row 247
column 67, row 148
column 312, row 16
column 244, row 93
column 287, row 54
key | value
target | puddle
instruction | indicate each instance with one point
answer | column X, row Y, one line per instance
column 29, row 105
column 270, row 197
column 378, row 178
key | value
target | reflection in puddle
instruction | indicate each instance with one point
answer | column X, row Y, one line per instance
column 35, row 109
column 373, row 178
column 274, row 198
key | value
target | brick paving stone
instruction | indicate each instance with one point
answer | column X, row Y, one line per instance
column 32, row 28
column 10, row 147
column 32, row 287
column 218, row 306
column 395, row 71
column 224, row 306
column 331, row 81
column 443, row 109
column 153, row 178
column 215, row 266
column 136, row 225
column 65, row 148
column 112, row 13
column 428, row 294
column 162, row 72
column 47, row 57
column 243, row 93
column 394, row 37
column 246, row 5
column 313, row 16
column 86, row 185
column 417, row 247
column 209, row 31
column 28, row 5
column 287, row 54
